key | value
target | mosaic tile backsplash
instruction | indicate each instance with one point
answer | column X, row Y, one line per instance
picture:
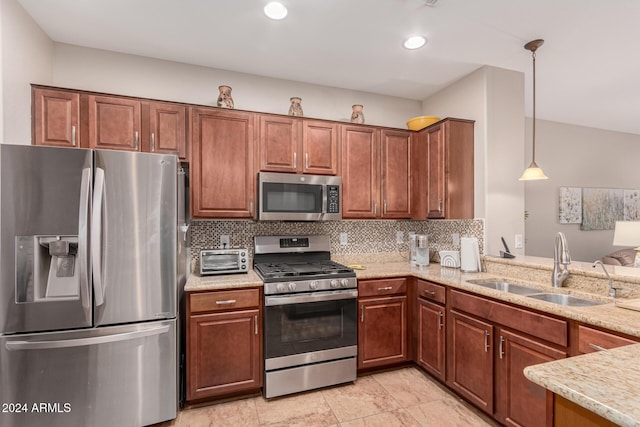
column 364, row 236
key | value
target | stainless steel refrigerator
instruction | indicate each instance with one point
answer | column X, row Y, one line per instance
column 88, row 287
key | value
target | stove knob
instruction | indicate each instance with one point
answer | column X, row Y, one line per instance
column 292, row 286
column 313, row 284
column 344, row 283
column 280, row 287
column 334, row 283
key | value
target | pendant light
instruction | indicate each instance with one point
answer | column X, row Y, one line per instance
column 533, row 172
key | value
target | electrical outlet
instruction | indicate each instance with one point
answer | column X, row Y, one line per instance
column 455, row 239
column 399, row 236
column 224, row 241
column 518, row 241
column 344, row 238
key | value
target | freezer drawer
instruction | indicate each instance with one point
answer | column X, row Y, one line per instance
column 113, row 376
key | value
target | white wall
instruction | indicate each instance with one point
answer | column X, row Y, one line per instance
column 576, row 156
column 27, row 57
column 494, row 98
column 104, row 71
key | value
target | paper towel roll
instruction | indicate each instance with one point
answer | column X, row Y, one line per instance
column 469, row 254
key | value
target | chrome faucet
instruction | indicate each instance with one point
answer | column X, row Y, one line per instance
column 612, row 290
column 561, row 259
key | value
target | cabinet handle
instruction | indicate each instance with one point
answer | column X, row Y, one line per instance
column 295, row 159
column 226, row 302
column 73, row 136
column 501, row 348
column 486, row 341
column 251, row 206
column 440, row 205
column 440, row 322
column 153, row 142
column 597, row 347
column 386, row 288
column 306, row 160
column 427, row 291
column 361, row 313
column 375, row 208
column 255, row 323
column 385, row 207
column 136, row 141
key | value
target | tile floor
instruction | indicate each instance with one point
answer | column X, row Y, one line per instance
column 402, row 397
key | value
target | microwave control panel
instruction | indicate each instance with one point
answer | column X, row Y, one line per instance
column 333, row 199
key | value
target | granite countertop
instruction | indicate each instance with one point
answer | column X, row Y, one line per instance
column 606, row 383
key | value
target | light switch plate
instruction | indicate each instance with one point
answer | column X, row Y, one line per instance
column 455, row 239
column 224, row 241
column 518, row 241
column 344, row 238
column 399, row 236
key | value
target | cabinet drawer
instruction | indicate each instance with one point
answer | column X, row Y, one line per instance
column 371, row 288
column 591, row 340
column 521, row 319
column 431, row 291
column 224, row 300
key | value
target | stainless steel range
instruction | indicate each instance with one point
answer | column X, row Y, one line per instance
column 310, row 314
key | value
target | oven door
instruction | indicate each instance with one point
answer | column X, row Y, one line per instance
column 310, row 327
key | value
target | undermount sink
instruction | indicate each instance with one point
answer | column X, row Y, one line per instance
column 568, row 300
column 505, row 286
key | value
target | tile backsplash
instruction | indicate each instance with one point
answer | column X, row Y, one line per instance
column 363, row 236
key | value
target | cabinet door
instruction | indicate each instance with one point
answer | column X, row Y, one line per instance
column 396, row 166
column 520, row 402
column 278, row 140
column 167, row 123
column 437, row 180
column 470, row 363
column 382, row 335
column 222, row 164
column 360, row 172
column 431, row 338
column 320, row 147
column 114, row 123
column 56, row 115
column 224, row 353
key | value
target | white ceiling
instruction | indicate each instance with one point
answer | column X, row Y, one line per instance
column 588, row 70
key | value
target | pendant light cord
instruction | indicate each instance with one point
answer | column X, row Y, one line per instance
column 533, row 157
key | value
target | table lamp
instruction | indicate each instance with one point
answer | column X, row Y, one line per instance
column 627, row 233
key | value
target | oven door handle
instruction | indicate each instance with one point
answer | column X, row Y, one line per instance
column 270, row 301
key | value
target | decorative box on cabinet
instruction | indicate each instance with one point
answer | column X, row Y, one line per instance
column 224, row 353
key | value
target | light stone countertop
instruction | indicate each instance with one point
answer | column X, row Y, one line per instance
column 606, row 383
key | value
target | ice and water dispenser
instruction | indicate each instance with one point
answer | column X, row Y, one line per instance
column 47, row 268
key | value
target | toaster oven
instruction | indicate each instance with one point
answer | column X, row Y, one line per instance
column 224, row 261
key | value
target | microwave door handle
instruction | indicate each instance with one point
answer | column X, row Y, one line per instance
column 325, row 196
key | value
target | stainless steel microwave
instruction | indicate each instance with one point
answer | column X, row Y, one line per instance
column 294, row 197
column 223, row 261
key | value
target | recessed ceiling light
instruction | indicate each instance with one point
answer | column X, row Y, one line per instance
column 275, row 10
column 414, row 42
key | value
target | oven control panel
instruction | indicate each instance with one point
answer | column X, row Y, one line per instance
column 288, row 287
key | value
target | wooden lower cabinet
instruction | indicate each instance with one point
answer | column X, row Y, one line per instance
column 382, row 331
column 520, row 402
column 224, row 344
column 470, row 359
column 431, row 338
column 569, row 414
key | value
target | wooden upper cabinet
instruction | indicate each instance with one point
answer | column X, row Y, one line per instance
column 396, row 167
column 360, row 172
column 56, row 117
column 279, row 144
column 319, row 147
column 222, row 144
column 114, row 123
column 167, row 127
column 449, row 185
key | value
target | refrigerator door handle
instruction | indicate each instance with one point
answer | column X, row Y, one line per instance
column 83, row 238
column 83, row 342
column 96, row 236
